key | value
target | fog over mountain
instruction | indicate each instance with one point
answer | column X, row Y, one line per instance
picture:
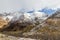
column 16, row 5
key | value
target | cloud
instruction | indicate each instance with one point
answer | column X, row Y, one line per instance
column 39, row 4
column 15, row 5
column 10, row 5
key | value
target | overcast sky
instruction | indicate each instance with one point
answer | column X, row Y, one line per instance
column 16, row 5
column 10, row 5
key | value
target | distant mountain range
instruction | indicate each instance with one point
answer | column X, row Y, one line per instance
column 24, row 16
column 45, row 10
column 35, row 17
column 30, row 15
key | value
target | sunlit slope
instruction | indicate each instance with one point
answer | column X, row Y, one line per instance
column 3, row 23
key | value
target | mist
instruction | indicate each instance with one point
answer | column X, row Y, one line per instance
column 16, row 5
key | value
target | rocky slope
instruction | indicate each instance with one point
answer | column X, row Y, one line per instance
column 16, row 25
column 49, row 30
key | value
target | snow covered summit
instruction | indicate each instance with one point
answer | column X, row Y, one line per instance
column 24, row 16
column 30, row 16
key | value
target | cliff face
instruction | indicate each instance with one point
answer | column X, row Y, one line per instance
column 3, row 23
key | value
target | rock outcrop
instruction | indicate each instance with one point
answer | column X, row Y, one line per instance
column 3, row 22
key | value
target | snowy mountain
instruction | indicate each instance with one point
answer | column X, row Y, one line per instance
column 29, row 17
column 24, row 16
column 47, row 10
column 39, row 14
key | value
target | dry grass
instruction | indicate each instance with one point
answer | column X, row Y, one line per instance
column 54, row 22
column 28, row 28
column 51, row 31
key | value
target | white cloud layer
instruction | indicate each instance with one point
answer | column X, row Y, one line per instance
column 15, row 5
column 38, row 4
column 10, row 5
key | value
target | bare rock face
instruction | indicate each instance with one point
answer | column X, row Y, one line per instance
column 3, row 23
